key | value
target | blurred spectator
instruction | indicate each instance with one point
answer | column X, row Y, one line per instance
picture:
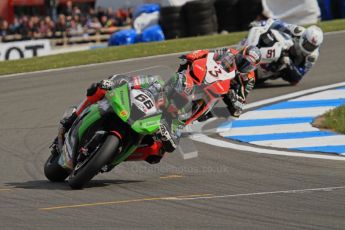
column 75, row 28
column 106, row 22
column 4, row 28
column 32, row 28
column 50, row 25
column 94, row 23
column 61, row 24
column 68, row 11
column 76, row 11
column 92, row 13
column 109, row 12
column 71, row 20
column 15, row 27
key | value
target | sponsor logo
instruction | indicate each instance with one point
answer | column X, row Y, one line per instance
column 152, row 123
column 200, row 68
column 123, row 113
column 24, row 49
column 122, row 97
column 313, row 40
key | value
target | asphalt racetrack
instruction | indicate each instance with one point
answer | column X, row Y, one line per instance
column 220, row 189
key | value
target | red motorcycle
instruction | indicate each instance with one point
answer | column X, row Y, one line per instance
column 209, row 80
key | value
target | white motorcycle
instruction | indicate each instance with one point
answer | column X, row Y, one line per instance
column 273, row 45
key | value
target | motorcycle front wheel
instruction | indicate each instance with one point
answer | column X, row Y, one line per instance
column 86, row 170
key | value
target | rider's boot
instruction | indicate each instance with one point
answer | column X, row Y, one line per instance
column 65, row 160
column 58, row 145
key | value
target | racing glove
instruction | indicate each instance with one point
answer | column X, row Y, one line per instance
column 67, row 122
column 293, row 74
column 285, row 61
column 104, row 84
column 295, row 30
column 237, row 100
column 168, row 139
column 235, row 103
column 183, row 63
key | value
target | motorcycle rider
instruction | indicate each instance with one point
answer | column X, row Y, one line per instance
column 243, row 62
column 152, row 85
column 171, row 97
column 300, row 58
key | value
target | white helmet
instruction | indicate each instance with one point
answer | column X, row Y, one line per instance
column 310, row 39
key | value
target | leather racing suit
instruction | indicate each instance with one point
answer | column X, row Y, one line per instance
column 169, row 133
column 241, row 85
column 297, row 62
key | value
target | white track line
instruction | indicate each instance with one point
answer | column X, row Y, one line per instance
column 325, row 189
column 325, row 95
column 303, row 142
column 292, row 95
column 268, row 129
column 225, row 144
column 286, row 113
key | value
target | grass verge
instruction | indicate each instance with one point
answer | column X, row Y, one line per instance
column 333, row 120
column 135, row 51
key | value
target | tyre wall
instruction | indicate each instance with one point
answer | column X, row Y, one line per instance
column 204, row 17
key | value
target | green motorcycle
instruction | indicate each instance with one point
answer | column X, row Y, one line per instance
column 106, row 134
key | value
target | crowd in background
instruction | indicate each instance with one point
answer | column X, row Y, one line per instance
column 70, row 20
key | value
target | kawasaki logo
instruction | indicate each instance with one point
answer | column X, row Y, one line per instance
column 122, row 97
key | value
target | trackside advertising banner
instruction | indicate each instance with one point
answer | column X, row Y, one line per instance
column 24, row 49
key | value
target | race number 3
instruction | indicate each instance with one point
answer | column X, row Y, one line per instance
column 215, row 72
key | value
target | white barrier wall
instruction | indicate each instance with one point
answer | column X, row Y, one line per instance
column 300, row 12
column 24, row 49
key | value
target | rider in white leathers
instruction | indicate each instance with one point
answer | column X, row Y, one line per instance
column 300, row 57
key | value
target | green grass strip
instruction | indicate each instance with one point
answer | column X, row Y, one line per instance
column 334, row 120
column 135, row 51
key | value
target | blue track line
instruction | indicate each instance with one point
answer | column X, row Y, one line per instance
column 340, row 88
column 339, row 149
column 281, row 136
column 266, row 122
column 304, row 104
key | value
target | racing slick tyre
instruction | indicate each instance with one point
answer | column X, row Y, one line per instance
column 227, row 15
column 197, row 6
column 249, row 10
column 173, row 25
column 172, row 34
column 53, row 171
column 84, row 171
column 172, row 22
column 200, row 17
column 169, row 10
column 202, row 30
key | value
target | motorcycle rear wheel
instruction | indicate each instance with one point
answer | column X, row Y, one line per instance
column 53, row 171
column 105, row 154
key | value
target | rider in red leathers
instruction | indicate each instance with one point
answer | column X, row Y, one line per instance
column 243, row 62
